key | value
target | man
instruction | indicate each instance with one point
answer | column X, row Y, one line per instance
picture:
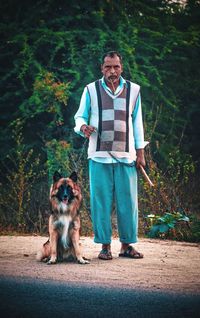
column 110, row 116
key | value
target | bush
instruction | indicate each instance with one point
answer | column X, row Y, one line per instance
column 171, row 202
column 23, row 170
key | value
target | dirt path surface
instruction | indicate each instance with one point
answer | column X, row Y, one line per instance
column 167, row 265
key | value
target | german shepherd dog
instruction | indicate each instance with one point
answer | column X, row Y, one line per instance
column 64, row 221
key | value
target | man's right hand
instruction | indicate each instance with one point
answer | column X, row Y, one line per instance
column 87, row 130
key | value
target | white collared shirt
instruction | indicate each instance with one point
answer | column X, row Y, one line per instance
column 83, row 114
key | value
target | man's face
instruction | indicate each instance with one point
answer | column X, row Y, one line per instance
column 112, row 69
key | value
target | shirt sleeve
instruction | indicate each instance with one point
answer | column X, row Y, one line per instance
column 82, row 115
column 138, row 129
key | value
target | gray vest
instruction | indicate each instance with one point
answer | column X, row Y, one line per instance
column 111, row 115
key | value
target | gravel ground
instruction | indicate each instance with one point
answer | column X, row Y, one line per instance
column 166, row 266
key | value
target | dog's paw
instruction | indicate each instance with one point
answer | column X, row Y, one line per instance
column 51, row 262
column 83, row 260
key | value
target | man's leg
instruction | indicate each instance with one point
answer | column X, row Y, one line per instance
column 126, row 202
column 126, row 196
column 101, row 200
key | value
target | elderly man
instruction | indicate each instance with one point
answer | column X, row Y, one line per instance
column 110, row 116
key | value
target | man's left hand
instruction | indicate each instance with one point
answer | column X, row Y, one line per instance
column 140, row 161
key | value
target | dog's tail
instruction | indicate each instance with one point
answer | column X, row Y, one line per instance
column 39, row 256
column 44, row 252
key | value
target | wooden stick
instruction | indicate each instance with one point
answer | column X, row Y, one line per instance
column 112, row 85
column 146, row 176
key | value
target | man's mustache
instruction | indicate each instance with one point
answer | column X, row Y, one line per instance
column 111, row 78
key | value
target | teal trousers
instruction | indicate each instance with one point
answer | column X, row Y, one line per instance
column 113, row 183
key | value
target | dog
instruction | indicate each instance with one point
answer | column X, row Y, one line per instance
column 64, row 221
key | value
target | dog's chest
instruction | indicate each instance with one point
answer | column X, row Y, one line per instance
column 63, row 222
column 63, row 208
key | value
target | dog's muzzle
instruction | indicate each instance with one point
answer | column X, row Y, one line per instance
column 65, row 200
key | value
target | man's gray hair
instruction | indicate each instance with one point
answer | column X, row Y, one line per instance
column 111, row 54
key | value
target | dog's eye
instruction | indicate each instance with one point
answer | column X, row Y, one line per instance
column 69, row 188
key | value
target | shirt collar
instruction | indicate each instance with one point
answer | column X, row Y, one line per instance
column 121, row 83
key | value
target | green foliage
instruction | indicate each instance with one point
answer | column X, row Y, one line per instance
column 48, row 100
column 22, row 172
column 168, row 210
column 195, row 230
column 172, row 188
column 48, row 95
column 159, row 41
column 175, row 225
column 161, row 226
column 58, row 157
column 180, row 167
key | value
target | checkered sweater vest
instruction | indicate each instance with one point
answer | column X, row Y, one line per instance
column 111, row 115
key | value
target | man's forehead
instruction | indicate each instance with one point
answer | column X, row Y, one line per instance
column 112, row 60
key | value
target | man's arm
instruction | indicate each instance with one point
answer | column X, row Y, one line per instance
column 138, row 132
column 82, row 116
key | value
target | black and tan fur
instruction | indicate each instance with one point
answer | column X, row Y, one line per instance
column 64, row 221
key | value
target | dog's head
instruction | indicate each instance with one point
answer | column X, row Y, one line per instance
column 64, row 189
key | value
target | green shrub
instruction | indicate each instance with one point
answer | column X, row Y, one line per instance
column 23, row 170
column 165, row 226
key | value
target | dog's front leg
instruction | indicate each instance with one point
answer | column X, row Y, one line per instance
column 53, row 233
column 75, row 237
column 53, row 243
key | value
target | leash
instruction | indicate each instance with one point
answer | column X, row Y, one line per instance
column 77, row 164
column 132, row 164
column 141, row 169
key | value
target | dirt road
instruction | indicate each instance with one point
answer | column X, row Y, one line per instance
column 167, row 265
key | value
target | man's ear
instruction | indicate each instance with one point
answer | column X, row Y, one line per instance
column 74, row 176
column 57, row 176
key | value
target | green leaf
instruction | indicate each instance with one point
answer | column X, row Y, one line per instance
column 154, row 231
column 163, row 228
column 184, row 218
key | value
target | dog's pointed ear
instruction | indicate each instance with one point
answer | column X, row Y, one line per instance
column 57, row 176
column 74, row 176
